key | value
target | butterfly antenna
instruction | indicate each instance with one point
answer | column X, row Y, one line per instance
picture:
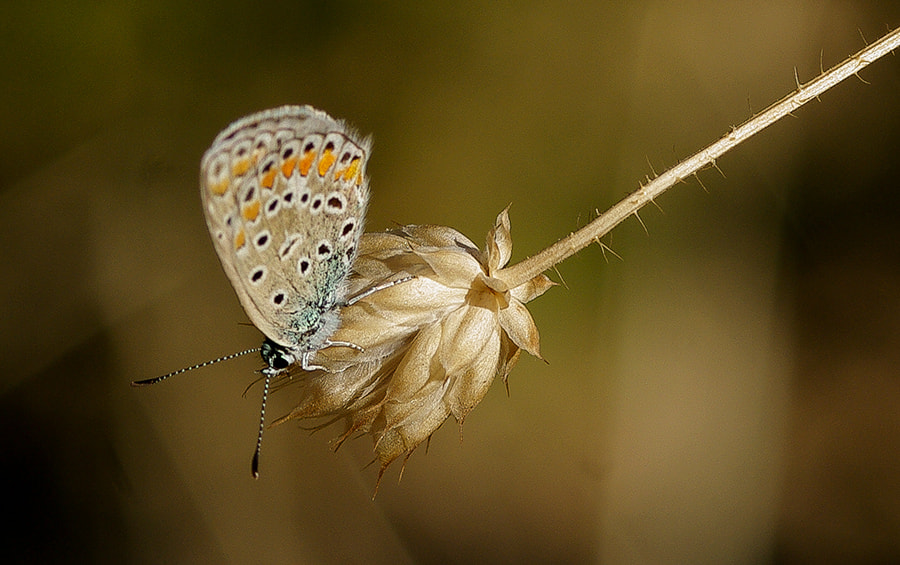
column 254, row 465
column 155, row 380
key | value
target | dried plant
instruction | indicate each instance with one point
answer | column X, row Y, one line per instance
column 431, row 346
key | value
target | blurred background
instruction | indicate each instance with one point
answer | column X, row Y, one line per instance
column 727, row 391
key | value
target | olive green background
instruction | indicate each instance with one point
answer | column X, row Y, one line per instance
column 725, row 390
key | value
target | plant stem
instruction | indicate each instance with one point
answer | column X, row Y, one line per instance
column 529, row 268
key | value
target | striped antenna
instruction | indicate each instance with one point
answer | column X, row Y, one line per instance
column 155, row 380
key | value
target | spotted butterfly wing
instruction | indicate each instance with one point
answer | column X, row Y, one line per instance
column 284, row 194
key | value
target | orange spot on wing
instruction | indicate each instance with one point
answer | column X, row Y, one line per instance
column 306, row 162
column 251, row 211
column 352, row 170
column 268, row 179
column 240, row 167
column 287, row 168
column 240, row 239
column 221, row 187
column 326, row 162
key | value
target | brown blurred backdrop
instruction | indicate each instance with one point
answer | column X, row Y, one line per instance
column 727, row 392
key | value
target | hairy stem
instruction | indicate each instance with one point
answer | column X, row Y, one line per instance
column 529, row 268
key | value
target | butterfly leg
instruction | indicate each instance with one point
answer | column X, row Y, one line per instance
column 305, row 361
column 370, row 291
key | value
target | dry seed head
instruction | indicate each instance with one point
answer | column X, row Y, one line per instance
column 430, row 346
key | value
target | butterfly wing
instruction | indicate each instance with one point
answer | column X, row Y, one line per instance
column 284, row 192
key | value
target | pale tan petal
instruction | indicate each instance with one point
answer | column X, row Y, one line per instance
column 532, row 289
column 417, row 365
column 409, row 424
column 451, row 267
column 498, row 246
column 321, row 396
column 417, row 420
column 472, row 384
column 436, row 236
column 496, row 286
column 464, row 333
column 516, row 320
column 509, row 356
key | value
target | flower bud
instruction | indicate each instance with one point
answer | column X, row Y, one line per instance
column 428, row 346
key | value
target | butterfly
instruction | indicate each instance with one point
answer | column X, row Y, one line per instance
column 284, row 193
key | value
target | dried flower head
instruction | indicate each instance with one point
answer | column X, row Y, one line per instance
column 430, row 346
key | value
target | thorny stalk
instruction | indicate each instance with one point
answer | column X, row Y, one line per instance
column 430, row 346
column 527, row 269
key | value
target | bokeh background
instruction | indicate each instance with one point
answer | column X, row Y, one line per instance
column 725, row 391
